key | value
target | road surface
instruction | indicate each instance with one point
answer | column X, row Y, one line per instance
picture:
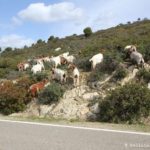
column 16, row 135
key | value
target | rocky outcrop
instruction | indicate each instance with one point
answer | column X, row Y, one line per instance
column 90, row 96
column 81, row 102
column 73, row 105
column 129, row 77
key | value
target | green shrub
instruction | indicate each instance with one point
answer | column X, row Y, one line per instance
column 120, row 73
column 147, row 53
column 84, row 64
column 126, row 104
column 3, row 72
column 51, row 38
column 12, row 98
column 38, row 77
column 109, row 64
column 50, row 94
column 87, row 31
column 96, row 75
column 143, row 74
column 8, row 63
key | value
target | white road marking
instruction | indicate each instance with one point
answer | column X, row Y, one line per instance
column 74, row 127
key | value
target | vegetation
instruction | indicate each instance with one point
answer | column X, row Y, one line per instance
column 112, row 40
column 38, row 77
column 144, row 75
column 87, row 31
column 108, row 66
column 52, row 93
column 12, row 98
column 126, row 104
column 120, row 73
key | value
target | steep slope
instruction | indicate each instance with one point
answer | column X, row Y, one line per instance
column 112, row 40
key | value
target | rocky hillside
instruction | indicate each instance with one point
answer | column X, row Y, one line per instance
column 81, row 103
column 113, row 40
column 87, row 101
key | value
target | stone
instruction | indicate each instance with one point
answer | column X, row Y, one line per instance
column 44, row 109
column 90, row 96
column 95, row 108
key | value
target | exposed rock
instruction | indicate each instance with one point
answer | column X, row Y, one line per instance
column 90, row 96
column 76, row 92
column 147, row 66
column 91, row 116
column 32, row 109
column 95, row 108
column 129, row 77
column 73, row 105
column 45, row 109
column 149, row 85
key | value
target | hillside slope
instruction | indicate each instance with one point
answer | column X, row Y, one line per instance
column 82, row 102
column 112, row 40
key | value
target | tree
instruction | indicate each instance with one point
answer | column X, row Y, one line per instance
column 87, row 31
column 51, row 38
column 25, row 46
column 139, row 19
column 128, row 22
column 0, row 51
column 39, row 41
column 8, row 49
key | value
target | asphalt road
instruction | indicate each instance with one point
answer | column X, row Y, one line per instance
column 28, row 136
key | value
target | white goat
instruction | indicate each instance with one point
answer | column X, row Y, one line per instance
column 46, row 59
column 130, row 48
column 37, row 68
column 137, row 57
column 59, row 75
column 64, row 54
column 58, row 60
column 26, row 66
column 58, row 49
column 75, row 73
column 96, row 59
column 70, row 59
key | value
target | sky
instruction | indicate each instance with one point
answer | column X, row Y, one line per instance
column 23, row 22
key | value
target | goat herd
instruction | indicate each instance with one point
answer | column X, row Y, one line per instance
column 69, row 60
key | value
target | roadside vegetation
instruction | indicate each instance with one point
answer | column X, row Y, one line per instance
column 129, row 104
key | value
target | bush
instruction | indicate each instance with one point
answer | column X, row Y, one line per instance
column 126, row 104
column 96, row 75
column 120, row 73
column 50, row 94
column 3, row 72
column 84, row 63
column 8, row 63
column 143, row 74
column 51, row 38
column 87, row 31
column 38, row 77
column 25, row 82
column 109, row 64
column 147, row 53
column 12, row 98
